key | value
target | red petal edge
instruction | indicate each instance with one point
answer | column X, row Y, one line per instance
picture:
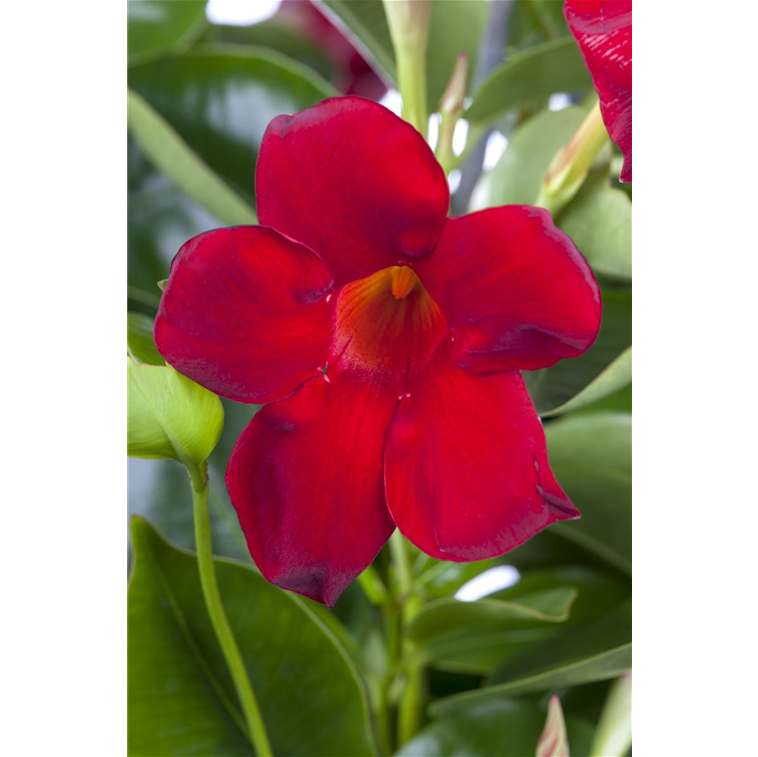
column 353, row 182
column 466, row 469
column 516, row 292
column 603, row 31
column 245, row 313
column 306, row 480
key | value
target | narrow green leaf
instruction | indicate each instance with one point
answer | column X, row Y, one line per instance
column 475, row 636
column 139, row 339
column 594, row 651
column 591, row 456
column 156, row 26
column 555, row 66
column 502, row 727
column 604, row 369
column 170, row 416
column 170, row 153
column 365, row 23
column 220, row 99
column 181, row 698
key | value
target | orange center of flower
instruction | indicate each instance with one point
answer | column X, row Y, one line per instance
column 387, row 325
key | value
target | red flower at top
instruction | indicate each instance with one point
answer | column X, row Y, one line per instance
column 388, row 339
column 603, row 30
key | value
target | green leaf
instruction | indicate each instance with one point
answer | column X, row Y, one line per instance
column 274, row 34
column 139, row 340
column 441, row 578
column 456, row 26
column 181, row 698
column 170, row 416
column 156, row 26
column 160, row 219
column 594, row 651
column 221, row 99
column 474, row 636
column 599, row 220
column 517, row 177
column 529, row 75
column 591, row 456
column 502, row 727
column 605, row 368
column 163, row 145
column 365, row 23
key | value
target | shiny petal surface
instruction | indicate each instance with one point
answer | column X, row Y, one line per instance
column 603, row 30
column 466, row 468
column 306, row 480
column 353, row 182
column 514, row 289
column 246, row 313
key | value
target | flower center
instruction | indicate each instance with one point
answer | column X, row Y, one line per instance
column 403, row 281
column 387, row 326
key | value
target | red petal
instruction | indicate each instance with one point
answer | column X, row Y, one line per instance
column 466, row 467
column 306, row 480
column 355, row 183
column 515, row 290
column 603, row 31
column 246, row 314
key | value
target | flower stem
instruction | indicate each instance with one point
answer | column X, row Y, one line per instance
column 217, row 614
column 410, row 708
column 409, row 28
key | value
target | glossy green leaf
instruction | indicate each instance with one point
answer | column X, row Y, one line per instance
column 166, row 148
column 139, row 340
column 181, row 698
column 156, row 26
column 456, row 26
column 475, row 636
column 221, row 99
column 517, row 177
column 604, row 369
column 502, row 727
column 529, row 75
column 170, row 416
column 591, row 456
column 594, row 651
column 599, row 220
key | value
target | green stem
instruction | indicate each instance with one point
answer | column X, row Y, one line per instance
column 217, row 614
column 410, row 708
column 409, row 28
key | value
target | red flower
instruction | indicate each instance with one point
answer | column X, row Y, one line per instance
column 388, row 340
column 603, row 30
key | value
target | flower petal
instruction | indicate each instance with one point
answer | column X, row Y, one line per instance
column 603, row 31
column 246, row 313
column 466, row 467
column 306, row 480
column 355, row 183
column 516, row 292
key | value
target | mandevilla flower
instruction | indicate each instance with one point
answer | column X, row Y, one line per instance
column 388, row 340
column 603, row 31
